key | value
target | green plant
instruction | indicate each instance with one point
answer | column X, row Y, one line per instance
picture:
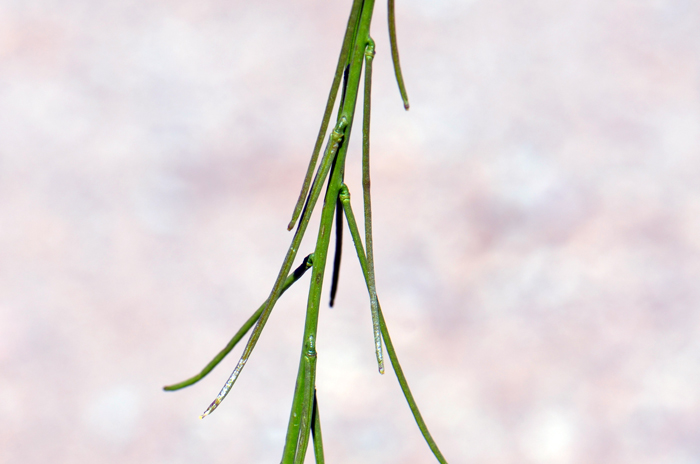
column 304, row 421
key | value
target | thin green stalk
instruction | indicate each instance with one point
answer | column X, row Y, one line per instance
column 298, row 430
column 374, row 304
column 354, row 232
column 342, row 61
column 291, row 279
column 395, row 54
column 304, row 396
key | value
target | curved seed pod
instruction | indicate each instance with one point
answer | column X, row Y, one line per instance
column 291, row 279
column 354, row 232
column 395, row 54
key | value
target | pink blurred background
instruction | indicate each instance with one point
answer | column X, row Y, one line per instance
column 537, row 230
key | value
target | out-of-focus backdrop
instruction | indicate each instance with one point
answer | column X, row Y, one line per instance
column 537, row 230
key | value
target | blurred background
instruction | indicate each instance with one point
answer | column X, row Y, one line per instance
column 537, row 230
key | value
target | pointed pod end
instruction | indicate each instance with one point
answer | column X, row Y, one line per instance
column 290, row 226
column 406, row 106
column 211, row 408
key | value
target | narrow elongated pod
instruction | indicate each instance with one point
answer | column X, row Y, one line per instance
column 395, row 54
column 367, row 107
column 332, row 95
column 291, row 279
column 316, row 432
column 338, row 252
column 355, row 233
column 332, row 147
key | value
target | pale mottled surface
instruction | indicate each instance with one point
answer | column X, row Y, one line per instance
column 537, row 230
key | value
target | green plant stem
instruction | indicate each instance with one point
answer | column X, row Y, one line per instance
column 298, row 429
column 395, row 54
column 291, row 279
column 342, row 62
column 354, row 232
